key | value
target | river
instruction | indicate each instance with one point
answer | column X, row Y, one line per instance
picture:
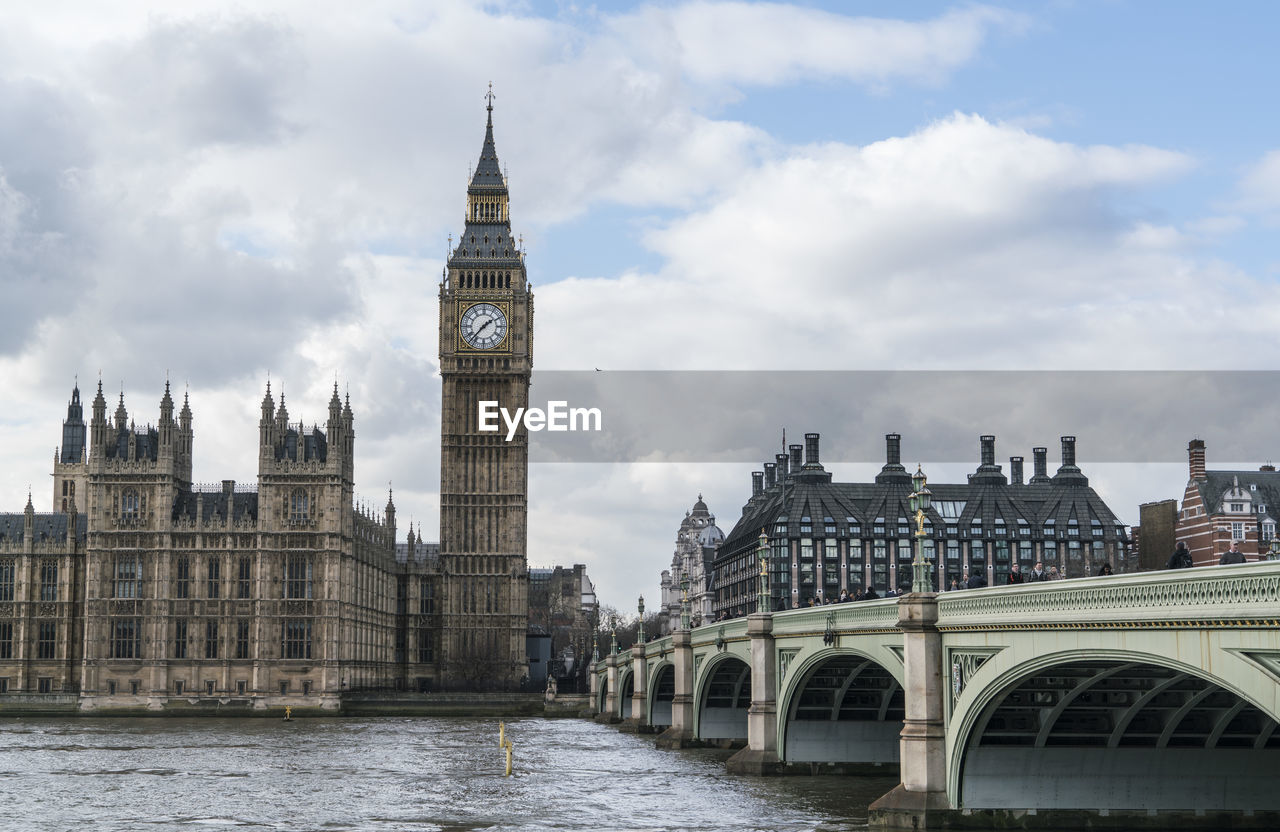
column 388, row 775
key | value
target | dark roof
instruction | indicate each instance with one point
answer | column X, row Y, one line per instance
column 1217, row 483
column 488, row 173
column 422, row 552
column 147, row 441
column 45, row 526
column 985, row 501
column 313, row 446
column 216, row 504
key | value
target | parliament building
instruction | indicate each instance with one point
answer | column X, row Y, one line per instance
column 144, row 589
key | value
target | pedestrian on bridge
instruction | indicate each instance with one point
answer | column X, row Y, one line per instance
column 1232, row 555
column 1015, row 575
column 977, row 580
column 1105, row 569
column 1181, row 558
column 1038, row 573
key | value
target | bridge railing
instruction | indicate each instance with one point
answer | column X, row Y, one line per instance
column 1245, row 594
column 735, row 629
column 850, row 617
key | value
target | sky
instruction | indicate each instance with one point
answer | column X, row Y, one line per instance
column 221, row 194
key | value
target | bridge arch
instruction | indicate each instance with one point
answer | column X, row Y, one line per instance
column 841, row 705
column 602, row 694
column 1115, row 729
column 661, row 694
column 722, row 699
column 626, row 689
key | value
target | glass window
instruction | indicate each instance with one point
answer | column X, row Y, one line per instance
column 6, row 639
column 426, row 653
column 211, row 639
column 47, row 640
column 6, row 579
column 426, row 597
column 48, row 580
column 299, row 506
column 213, row 580
column 242, row 639
column 1237, row 531
column 182, row 581
column 127, row 576
column 129, row 504
column 244, row 581
column 296, row 639
column 124, row 639
column 180, row 639
column 297, row 578
column 949, row 509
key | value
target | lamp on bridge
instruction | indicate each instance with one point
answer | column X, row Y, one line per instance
column 684, row 600
column 762, row 549
column 613, row 633
column 920, row 501
column 640, row 624
column 1274, row 552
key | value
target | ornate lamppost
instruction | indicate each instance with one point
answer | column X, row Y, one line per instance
column 762, row 550
column 1274, row 552
column 920, row 500
column 684, row 600
column 613, row 634
column 640, row 624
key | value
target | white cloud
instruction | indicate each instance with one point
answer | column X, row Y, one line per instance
column 222, row 195
column 773, row 43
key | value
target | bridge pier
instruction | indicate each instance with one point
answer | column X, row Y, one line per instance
column 680, row 734
column 639, row 719
column 760, row 757
column 920, row 801
column 611, row 705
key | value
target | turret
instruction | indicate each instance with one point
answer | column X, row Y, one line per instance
column 98, row 427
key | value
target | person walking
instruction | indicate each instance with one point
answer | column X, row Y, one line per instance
column 1181, row 558
column 1015, row 575
column 976, row 580
column 1232, row 555
column 870, row 594
column 1038, row 573
column 1053, row 573
column 1105, row 569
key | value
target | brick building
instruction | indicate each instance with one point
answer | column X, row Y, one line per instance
column 1221, row 506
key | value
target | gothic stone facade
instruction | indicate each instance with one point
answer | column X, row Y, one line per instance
column 162, row 592
column 486, row 354
column 696, row 542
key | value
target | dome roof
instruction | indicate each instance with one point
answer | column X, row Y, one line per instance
column 711, row 536
column 700, row 507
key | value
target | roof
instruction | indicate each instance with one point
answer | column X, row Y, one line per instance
column 1262, row 487
column 985, row 502
column 51, row 526
column 488, row 173
column 216, row 504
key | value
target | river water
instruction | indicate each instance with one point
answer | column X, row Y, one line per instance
column 388, row 775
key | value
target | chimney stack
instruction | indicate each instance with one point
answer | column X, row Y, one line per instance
column 1068, row 452
column 783, row 468
column 811, row 449
column 1015, row 470
column 770, row 474
column 1195, row 454
column 988, row 443
column 797, row 458
column 1039, row 465
column 893, row 449
column 757, row 483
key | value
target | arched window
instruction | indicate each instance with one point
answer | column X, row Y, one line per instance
column 298, row 506
column 129, row 504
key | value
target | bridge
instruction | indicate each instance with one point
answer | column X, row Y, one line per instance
column 1133, row 701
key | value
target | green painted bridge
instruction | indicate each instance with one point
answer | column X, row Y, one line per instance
column 1135, row 696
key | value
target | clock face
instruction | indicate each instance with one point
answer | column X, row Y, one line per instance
column 483, row 326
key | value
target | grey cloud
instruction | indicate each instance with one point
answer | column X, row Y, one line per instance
column 208, row 81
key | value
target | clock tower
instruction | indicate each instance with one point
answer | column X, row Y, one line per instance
column 486, row 354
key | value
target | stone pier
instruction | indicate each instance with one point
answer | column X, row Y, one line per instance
column 760, row 757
